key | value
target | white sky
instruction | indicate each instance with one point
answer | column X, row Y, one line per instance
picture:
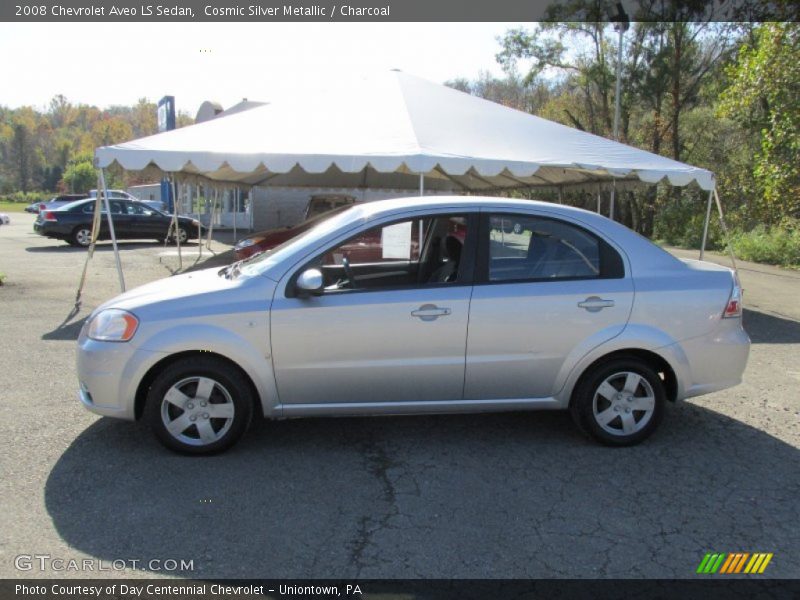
column 118, row 63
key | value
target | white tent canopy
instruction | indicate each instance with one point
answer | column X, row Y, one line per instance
column 384, row 131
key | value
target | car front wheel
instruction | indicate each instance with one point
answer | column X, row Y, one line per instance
column 199, row 406
column 619, row 402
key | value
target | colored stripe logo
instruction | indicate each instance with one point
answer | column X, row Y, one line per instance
column 734, row 562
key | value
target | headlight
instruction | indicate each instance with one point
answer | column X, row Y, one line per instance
column 249, row 242
column 113, row 325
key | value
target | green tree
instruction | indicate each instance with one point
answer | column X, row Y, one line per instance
column 764, row 97
column 23, row 148
column 80, row 175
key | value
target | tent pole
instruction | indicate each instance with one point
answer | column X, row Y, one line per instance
column 705, row 224
column 92, row 243
column 725, row 231
column 611, row 202
column 235, row 214
column 251, row 205
column 195, row 195
column 175, row 221
column 111, row 230
column 421, row 184
column 598, row 199
column 211, row 219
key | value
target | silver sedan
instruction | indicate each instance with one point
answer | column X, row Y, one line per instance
column 421, row 305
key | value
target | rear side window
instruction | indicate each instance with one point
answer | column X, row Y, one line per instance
column 529, row 248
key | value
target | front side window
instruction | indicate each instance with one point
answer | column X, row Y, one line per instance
column 524, row 247
column 411, row 252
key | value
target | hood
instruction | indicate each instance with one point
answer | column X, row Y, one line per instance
column 179, row 294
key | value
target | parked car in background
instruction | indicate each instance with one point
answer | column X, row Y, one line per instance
column 262, row 241
column 132, row 220
column 570, row 310
column 57, row 202
column 4, row 219
column 33, row 208
column 114, row 195
column 320, row 207
column 323, row 203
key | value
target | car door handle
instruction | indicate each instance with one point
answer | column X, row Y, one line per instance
column 430, row 312
column 595, row 303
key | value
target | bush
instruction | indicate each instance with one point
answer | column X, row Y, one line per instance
column 26, row 197
column 778, row 245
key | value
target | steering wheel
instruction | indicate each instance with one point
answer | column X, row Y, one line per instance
column 348, row 270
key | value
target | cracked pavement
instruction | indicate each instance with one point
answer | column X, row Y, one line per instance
column 518, row 495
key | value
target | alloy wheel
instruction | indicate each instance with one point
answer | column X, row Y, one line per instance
column 623, row 403
column 197, row 411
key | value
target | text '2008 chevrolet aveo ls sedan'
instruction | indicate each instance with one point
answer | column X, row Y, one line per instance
column 425, row 305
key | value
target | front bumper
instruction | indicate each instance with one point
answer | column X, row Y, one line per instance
column 109, row 374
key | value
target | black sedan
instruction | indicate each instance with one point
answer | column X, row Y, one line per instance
column 132, row 220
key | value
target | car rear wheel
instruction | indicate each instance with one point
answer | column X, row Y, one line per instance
column 82, row 236
column 199, row 406
column 619, row 402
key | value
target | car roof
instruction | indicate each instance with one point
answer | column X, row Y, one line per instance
column 378, row 207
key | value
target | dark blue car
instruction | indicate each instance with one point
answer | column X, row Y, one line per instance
column 132, row 220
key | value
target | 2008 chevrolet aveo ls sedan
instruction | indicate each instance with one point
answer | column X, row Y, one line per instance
column 468, row 305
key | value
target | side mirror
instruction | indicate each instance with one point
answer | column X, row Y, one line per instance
column 310, row 282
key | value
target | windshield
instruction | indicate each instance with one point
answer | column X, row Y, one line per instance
column 325, row 224
column 319, row 217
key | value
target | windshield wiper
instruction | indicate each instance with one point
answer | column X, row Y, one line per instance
column 232, row 270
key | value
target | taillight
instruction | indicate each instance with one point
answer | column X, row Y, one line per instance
column 734, row 306
column 49, row 216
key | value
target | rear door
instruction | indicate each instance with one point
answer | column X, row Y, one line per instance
column 546, row 290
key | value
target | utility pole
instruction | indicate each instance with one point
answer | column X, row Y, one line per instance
column 621, row 23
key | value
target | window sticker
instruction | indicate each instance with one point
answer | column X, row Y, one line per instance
column 396, row 241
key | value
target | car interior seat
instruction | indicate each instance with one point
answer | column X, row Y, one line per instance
column 447, row 272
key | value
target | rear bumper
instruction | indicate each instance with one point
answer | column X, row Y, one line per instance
column 45, row 231
column 716, row 361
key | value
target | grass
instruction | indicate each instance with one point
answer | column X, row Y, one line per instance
column 776, row 246
column 12, row 207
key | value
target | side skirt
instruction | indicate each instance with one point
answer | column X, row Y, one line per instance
column 289, row 411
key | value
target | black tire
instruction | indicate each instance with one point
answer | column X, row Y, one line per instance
column 626, row 409
column 183, row 235
column 81, row 236
column 231, row 387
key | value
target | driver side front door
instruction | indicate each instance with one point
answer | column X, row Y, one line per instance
column 396, row 335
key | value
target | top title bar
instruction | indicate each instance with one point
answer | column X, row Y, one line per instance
column 389, row 10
